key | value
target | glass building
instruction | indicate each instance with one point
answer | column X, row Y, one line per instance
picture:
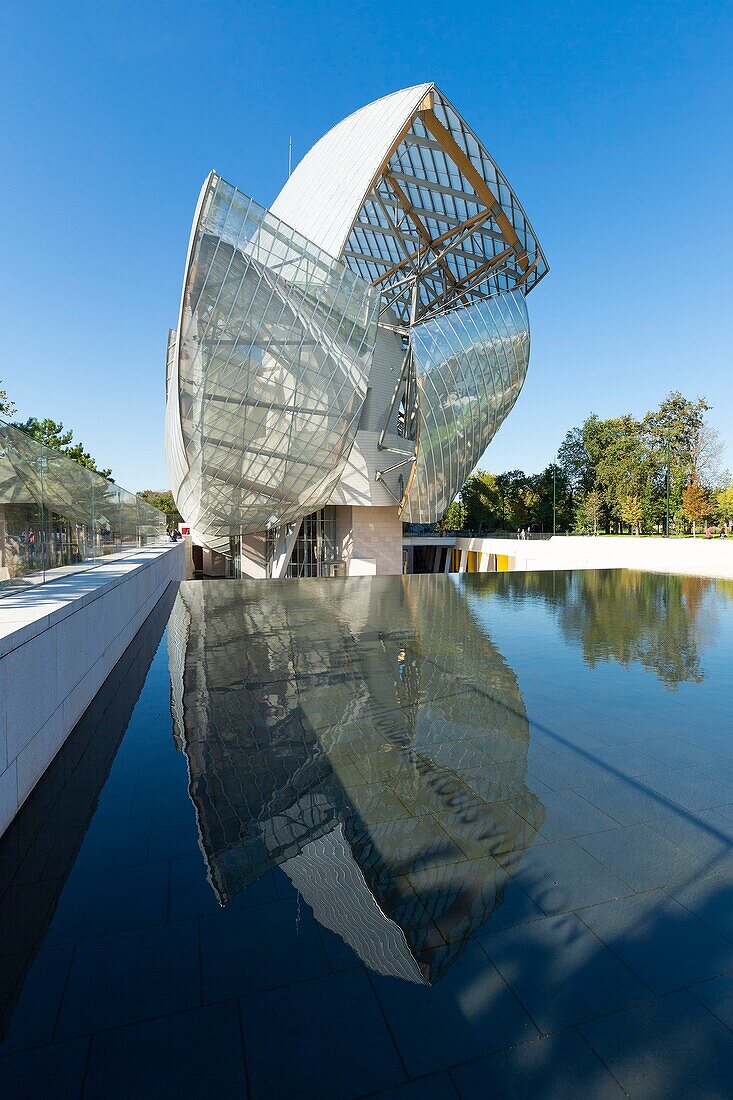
column 56, row 514
column 355, row 348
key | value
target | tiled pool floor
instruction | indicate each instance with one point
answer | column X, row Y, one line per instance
column 416, row 837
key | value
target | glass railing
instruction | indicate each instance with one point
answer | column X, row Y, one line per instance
column 56, row 515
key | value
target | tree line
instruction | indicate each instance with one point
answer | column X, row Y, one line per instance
column 616, row 614
column 612, row 476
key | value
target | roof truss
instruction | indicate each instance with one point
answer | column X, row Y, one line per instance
column 446, row 219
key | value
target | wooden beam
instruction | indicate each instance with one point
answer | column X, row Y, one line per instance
column 463, row 162
column 430, row 243
column 527, row 273
column 471, row 278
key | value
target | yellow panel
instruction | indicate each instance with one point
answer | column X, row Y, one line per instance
column 471, row 563
column 502, row 563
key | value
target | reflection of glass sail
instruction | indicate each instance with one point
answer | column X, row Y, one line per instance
column 367, row 738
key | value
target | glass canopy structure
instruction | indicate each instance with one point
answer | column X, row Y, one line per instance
column 56, row 514
column 359, row 344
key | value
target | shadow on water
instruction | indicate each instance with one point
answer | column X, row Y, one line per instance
column 38, row 850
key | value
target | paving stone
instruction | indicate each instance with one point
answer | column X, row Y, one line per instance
column 666, row 945
column 319, row 1021
column 561, row 972
column 195, row 1053
column 673, row 1047
column 554, row 1068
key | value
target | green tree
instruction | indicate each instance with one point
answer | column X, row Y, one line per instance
column 724, row 502
column 514, row 486
column 542, row 492
column 51, row 434
column 482, row 502
column 453, row 519
column 695, row 504
column 7, row 407
column 575, row 460
column 630, row 509
column 164, row 500
column 621, row 464
column 589, row 511
column 677, row 433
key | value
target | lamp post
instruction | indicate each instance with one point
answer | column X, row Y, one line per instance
column 554, row 508
column 666, row 526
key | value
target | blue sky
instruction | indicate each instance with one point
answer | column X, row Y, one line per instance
column 611, row 121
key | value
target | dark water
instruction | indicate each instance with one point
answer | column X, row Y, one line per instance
column 424, row 836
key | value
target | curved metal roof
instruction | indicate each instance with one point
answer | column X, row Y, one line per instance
column 407, row 195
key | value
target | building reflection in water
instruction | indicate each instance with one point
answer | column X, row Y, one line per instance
column 366, row 737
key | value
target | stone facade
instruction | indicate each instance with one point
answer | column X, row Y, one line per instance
column 376, row 542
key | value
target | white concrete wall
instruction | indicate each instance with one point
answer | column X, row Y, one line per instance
column 58, row 644
column 699, row 557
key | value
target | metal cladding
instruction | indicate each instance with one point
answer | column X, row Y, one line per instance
column 394, row 263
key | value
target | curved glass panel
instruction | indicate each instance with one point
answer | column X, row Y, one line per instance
column 471, row 364
column 273, row 353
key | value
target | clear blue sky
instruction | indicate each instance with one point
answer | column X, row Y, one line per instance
column 611, row 120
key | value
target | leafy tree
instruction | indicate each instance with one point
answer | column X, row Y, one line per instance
column 453, row 518
column 575, row 461
column 610, row 474
column 542, row 496
column 724, row 502
column 589, row 511
column 695, row 504
column 163, row 500
column 621, row 465
column 631, row 511
column 51, row 434
column 7, row 407
column 482, row 502
column 513, row 488
column 676, row 432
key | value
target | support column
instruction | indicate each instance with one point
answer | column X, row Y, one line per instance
column 284, row 546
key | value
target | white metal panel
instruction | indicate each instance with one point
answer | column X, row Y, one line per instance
column 324, row 193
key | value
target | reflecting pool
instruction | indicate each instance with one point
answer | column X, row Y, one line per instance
column 416, row 836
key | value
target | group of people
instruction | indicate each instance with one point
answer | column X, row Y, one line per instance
column 174, row 534
column 524, row 533
column 709, row 533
